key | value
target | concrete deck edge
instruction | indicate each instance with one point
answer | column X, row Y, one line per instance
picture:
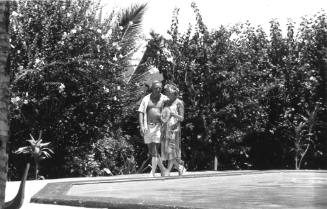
column 55, row 193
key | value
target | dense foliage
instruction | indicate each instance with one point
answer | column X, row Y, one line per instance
column 67, row 81
column 253, row 100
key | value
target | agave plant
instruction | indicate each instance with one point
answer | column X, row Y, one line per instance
column 37, row 150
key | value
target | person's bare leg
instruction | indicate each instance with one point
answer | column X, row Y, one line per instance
column 170, row 166
column 154, row 164
column 162, row 167
column 159, row 161
column 154, row 159
column 181, row 169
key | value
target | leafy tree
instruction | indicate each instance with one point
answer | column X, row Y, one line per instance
column 68, row 77
column 300, row 95
column 238, row 83
column 243, row 89
column 215, row 73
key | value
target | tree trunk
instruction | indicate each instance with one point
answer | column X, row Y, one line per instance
column 36, row 164
column 325, row 89
column 296, row 160
column 215, row 167
column 4, row 96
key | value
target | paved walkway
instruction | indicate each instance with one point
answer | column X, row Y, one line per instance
column 228, row 189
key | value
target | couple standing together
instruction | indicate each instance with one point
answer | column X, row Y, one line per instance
column 159, row 117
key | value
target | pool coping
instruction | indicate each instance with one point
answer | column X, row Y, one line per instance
column 56, row 193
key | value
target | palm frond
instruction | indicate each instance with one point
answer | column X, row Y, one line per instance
column 141, row 76
column 134, row 61
column 131, row 21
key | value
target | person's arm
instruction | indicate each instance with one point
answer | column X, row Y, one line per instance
column 141, row 121
column 180, row 110
column 142, row 114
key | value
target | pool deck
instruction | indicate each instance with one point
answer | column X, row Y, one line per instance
column 200, row 190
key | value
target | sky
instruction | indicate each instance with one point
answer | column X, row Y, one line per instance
column 220, row 12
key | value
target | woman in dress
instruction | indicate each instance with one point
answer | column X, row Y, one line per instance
column 172, row 116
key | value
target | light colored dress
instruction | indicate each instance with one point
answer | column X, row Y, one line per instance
column 171, row 134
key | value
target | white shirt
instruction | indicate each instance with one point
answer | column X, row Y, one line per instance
column 144, row 105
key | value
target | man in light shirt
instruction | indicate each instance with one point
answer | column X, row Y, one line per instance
column 150, row 124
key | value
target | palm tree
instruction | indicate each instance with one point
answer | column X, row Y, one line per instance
column 135, row 72
column 131, row 22
column 37, row 150
column 4, row 96
column 4, row 124
column 134, row 47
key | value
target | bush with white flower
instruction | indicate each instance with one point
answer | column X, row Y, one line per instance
column 67, row 67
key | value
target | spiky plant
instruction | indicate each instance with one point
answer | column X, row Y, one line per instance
column 37, row 150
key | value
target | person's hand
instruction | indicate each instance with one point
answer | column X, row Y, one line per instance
column 142, row 131
column 178, row 117
column 174, row 114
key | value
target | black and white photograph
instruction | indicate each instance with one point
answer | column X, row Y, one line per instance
column 163, row 104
